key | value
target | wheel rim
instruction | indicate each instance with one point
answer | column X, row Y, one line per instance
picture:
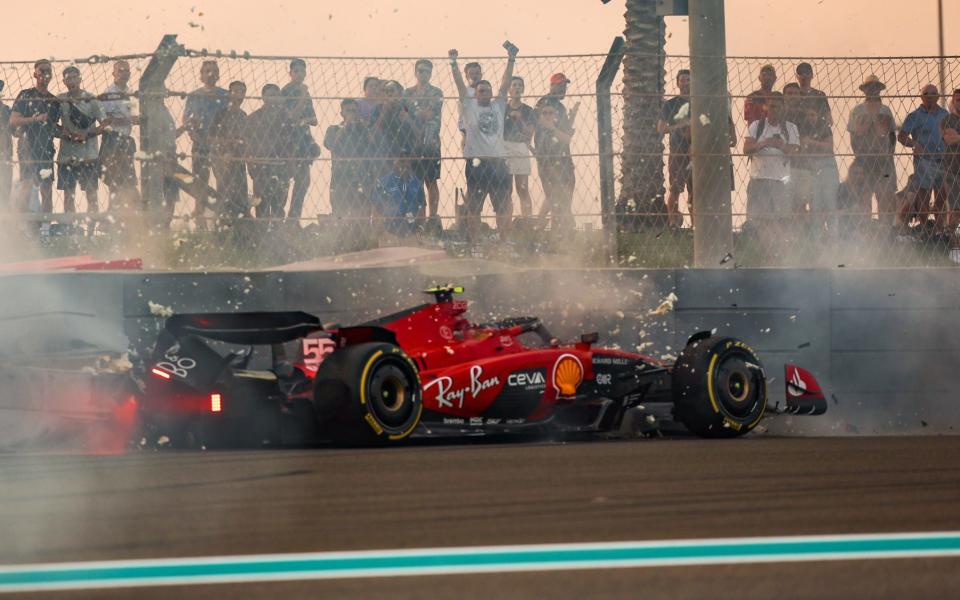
column 391, row 394
column 737, row 386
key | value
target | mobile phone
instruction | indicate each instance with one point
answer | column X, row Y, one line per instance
column 509, row 47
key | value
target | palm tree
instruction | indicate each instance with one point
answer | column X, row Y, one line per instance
column 641, row 176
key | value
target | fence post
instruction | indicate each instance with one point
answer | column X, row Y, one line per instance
column 605, row 138
column 709, row 146
column 155, row 119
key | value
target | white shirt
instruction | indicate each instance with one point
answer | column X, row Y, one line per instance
column 118, row 108
column 484, row 127
column 770, row 162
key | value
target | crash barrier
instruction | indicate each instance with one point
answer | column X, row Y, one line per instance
column 882, row 342
column 620, row 184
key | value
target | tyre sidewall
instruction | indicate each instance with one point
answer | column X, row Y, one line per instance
column 342, row 393
column 699, row 401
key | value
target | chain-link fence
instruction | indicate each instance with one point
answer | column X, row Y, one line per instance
column 265, row 182
column 850, row 194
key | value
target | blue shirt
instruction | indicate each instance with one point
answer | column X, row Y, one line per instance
column 204, row 107
column 924, row 127
column 401, row 198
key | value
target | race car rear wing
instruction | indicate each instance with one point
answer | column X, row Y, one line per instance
column 247, row 328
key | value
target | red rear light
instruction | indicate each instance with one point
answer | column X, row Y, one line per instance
column 215, row 405
column 160, row 373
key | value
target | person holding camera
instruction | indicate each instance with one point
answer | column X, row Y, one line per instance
column 79, row 159
column 768, row 143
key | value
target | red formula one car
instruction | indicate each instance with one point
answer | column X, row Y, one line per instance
column 429, row 371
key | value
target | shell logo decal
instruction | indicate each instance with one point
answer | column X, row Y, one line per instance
column 567, row 375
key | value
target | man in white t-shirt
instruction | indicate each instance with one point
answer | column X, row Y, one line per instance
column 487, row 174
column 768, row 143
column 118, row 147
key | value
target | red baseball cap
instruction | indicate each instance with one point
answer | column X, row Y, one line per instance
column 558, row 78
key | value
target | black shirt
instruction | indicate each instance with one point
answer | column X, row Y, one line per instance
column 348, row 145
column 951, row 156
column 37, row 140
column 680, row 137
column 6, row 140
column 514, row 128
column 545, row 142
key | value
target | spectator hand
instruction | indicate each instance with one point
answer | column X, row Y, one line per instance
column 40, row 118
column 453, row 54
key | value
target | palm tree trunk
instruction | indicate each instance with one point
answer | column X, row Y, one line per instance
column 641, row 177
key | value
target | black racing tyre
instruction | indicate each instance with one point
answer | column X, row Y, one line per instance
column 367, row 394
column 719, row 387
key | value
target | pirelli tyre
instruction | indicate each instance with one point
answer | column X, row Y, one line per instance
column 368, row 394
column 719, row 387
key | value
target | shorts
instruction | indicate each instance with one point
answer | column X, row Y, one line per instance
column 86, row 173
column 518, row 158
column 427, row 169
column 38, row 171
column 928, row 173
column 488, row 176
column 678, row 167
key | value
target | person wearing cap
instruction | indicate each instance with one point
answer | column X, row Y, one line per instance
column 811, row 96
column 814, row 178
column 425, row 102
column 6, row 153
column 755, row 106
column 873, row 137
column 921, row 133
column 487, row 175
column 551, row 140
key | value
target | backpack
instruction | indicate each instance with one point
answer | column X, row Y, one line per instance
column 762, row 125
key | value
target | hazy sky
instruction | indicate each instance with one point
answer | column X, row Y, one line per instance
column 430, row 27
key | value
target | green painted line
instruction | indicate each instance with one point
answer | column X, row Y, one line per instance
column 186, row 571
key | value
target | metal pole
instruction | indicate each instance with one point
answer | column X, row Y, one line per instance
column 709, row 149
column 943, row 79
column 155, row 118
column 605, row 141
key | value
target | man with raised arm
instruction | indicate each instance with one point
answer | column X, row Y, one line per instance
column 487, row 174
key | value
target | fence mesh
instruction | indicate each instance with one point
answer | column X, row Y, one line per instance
column 256, row 168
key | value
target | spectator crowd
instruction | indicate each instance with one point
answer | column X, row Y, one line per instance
column 794, row 177
column 385, row 151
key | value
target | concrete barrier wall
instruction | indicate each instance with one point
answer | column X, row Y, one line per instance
column 885, row 343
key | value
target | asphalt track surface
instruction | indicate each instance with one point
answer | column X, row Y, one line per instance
column 153, row 505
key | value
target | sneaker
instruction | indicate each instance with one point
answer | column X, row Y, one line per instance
column 955, row 255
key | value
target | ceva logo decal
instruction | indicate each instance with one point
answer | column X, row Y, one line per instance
column 523, row 379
